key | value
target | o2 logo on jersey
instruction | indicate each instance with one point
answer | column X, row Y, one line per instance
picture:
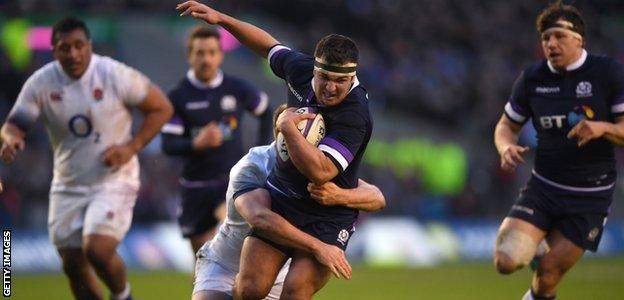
column 582, row 112
column 80, row 126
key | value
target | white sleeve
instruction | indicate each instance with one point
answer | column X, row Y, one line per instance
column 27, row 108
column 131, row 85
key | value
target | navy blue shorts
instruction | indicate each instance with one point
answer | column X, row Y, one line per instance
column 330, row 230
column 198, row 206
column 579, row 216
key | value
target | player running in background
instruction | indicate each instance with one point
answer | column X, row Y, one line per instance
column 328, row 82
column 83, row 100
column 576, row 103
column 218, row 260
column 205, row 130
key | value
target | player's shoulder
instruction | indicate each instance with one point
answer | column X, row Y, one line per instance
column 603, row 62
column 354, row 107
column 48, row 74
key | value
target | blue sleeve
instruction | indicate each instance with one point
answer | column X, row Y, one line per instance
column 617, row 86
column 344, row 137
column 517, row 108
column 292, row 66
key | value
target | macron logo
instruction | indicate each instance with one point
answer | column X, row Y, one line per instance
column 547, row 89
column 294, row 92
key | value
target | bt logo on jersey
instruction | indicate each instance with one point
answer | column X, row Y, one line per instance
column 579, row 113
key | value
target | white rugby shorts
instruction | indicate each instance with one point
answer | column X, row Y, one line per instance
column 100, row 209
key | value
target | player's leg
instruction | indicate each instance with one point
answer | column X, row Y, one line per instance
column 524, row 228
column 107, row 220
column 259, row 266
column 82, row 278
column 516, row 244
column 65, row 222
column 562, row 256
column 213, row 280
column 305, row 277
column 278, row 285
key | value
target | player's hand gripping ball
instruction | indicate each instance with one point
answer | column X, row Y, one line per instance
column 312, row 130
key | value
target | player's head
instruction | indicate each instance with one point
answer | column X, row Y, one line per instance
column 336, row 58
column 71, row 45
column 562, row 31
column 278, row 111
column 204, row 52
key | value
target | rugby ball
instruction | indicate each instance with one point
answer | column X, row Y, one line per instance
column 312, row 130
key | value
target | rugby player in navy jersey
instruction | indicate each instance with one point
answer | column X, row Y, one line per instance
column 576, row 103
column 205, row 130
column 327, row 82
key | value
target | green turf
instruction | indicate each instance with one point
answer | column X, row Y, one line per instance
column 590, row 279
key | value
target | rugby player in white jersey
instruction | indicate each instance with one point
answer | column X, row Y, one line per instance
column 218, row 260
column 84, row 102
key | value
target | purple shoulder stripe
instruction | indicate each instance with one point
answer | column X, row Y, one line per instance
column 338, row 147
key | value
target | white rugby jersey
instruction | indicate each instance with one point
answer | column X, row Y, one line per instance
column 250, row 172
column 83, row 118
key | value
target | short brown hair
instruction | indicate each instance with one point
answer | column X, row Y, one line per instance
column 558, row 11
column 337, row 49
column 202, row 32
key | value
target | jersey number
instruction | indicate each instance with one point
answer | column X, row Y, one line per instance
column 80, row 126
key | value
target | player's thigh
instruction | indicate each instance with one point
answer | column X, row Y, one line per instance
column 260, row 263
column 515, row 224
column 110, row 211
column 562, row 256
column 66, row 217
column 278, row 286
column 305, row 277
column 212, row 280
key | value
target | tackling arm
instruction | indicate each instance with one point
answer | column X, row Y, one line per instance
column 254, row 208
column 366, row 197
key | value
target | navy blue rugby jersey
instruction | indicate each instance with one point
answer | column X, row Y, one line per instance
column 348, row 129
column 592, row 89
column 223, row 100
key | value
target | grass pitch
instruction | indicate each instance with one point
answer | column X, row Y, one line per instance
column 590, row 279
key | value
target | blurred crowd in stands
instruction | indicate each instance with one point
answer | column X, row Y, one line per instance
column 448, row 63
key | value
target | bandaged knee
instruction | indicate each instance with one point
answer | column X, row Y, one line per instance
column 518, row 245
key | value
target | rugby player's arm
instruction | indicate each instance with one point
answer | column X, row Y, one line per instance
column 309, row 160
column 156, row 110
column 247, row 34
column 12, row 138
column 506, row 134
column 365, row 197
column 615, row 132
column 254, row 207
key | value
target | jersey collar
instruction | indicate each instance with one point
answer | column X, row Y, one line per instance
column 575, row 65
column 215, row 83
column 67, row 79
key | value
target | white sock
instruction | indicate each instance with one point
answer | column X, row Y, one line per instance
column 123, row 295
column 527, row 295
